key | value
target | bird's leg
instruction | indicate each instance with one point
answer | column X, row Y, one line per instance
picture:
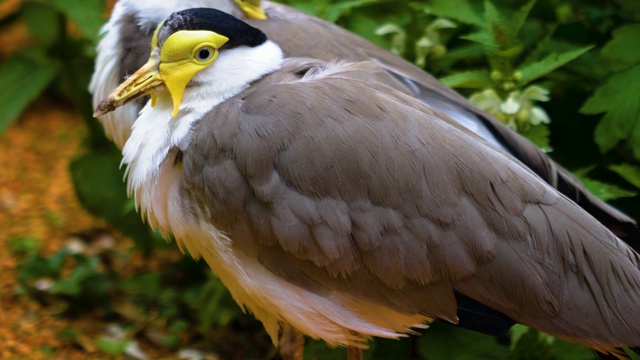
column 355, row 353
column 291, row 343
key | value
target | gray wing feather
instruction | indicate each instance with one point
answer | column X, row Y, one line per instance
column 387, row 200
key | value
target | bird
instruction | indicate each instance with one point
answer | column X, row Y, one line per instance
column 326, row 199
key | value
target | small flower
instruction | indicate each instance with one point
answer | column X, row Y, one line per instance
column 518, row 111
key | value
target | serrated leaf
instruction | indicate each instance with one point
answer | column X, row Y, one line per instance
column 494, row 23
column 511, row 23
column 586, row 64
column 483, row 38
column 463, row 11
column 87, row 14
column 603, row 190
column 622, row 51
column 446, row 342
column 543, row 67
column 491, row 33
column 499, row 29
column 618, row 97
column 539, row 135
column 628, row 172
column 469, row 79
column 21, row 81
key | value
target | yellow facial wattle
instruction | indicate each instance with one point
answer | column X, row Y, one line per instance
column 183, row 55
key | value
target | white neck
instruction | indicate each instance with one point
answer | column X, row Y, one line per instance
column 155, row 132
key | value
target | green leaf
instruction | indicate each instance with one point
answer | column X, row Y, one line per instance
column 98, row 182
column 42, row 20
column 539, row 135
column 587, row 64
column 618, row 97
column 25, row 246
column 533, row 344
column 516, row 332
column 628, row 172
column 39, row 267
column 632, row 354
column 603, row 190
column 500, row 28
column 113, row 347
column 87, row 14
column 551, row 62
column 85, row 279
column 512, row 23
column 21, row 81
column 483, row 38
column 69, row 334
column 445, row 342
column 147, row 286
column 469, row 79
column 464, row 11
column 622, row 51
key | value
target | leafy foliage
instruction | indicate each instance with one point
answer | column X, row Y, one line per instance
column 618, row 98
column 581, row 56
column 25, row 78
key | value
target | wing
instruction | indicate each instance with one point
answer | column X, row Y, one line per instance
column 301, row 35
column 344, row 184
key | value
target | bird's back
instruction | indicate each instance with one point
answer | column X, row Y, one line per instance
column 348, row 189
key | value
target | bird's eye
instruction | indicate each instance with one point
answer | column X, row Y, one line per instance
column 205, row 53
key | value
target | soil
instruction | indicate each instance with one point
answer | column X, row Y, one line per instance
column 37, row 202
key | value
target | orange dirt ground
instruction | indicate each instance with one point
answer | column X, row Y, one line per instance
column 37, row 201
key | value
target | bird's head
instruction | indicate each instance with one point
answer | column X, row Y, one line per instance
column 184, row 44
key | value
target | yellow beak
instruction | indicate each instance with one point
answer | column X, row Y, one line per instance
column 141, row 83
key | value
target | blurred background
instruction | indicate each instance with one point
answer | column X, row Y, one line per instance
column 83, row 277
